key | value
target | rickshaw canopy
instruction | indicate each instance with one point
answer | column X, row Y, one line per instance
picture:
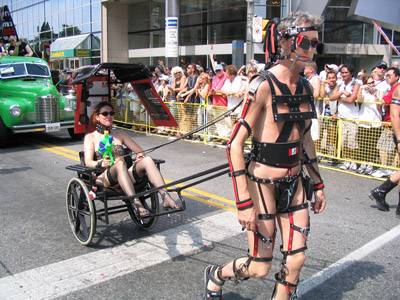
column 123, row 72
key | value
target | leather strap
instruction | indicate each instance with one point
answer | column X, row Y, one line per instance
column 293, row 252
column 244, row 204
column 261, row 259
column 238, row 173
column 296, row 208
column 246, row 125
column 266, row 216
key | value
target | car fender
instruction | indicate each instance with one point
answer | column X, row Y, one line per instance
column 7, row 103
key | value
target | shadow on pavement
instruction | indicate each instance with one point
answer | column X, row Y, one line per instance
column 344, row 281
column 234, row 296
column 5, row 171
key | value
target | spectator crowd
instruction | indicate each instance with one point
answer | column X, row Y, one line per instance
column 359, row 100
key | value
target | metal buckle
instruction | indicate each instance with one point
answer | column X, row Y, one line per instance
column 268, row 241
column 305, row 231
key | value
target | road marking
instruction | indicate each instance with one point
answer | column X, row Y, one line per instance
column 322, row 276
column 64, row 277
column 210, row 202
column 205, row 194
column 212, row 198
column 62, row 151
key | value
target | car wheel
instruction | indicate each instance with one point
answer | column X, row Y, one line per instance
column 75, row 136
column 4, row 134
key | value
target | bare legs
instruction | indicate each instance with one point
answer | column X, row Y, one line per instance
column 119, row 172
column 294, row 261
column 147, row 166
column 264, row 200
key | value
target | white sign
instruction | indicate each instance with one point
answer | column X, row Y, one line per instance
column 8, row 70
column 171, row 37
column 257, row 29
column 53, row 127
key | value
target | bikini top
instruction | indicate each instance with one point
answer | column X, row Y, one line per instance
column 118, row 150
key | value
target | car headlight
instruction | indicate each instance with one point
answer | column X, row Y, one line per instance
column 15, row 110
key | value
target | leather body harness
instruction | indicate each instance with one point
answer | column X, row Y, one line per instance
column 281, row 154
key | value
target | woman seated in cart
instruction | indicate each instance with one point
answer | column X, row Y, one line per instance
column 118, row 172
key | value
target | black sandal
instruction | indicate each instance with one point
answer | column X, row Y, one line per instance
column 141, row 211
column 209, row 274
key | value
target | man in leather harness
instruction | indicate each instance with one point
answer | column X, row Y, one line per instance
column 271, row 188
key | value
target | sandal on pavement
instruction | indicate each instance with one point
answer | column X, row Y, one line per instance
column 172, row 205
column 209, row 275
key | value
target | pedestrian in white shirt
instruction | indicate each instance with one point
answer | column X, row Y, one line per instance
column 348, row 111
column 370, row 119
column 234, row 89
column 310, row 72
column 329, row 122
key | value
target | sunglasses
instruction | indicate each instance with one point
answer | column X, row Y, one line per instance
column 305, row 43
column 107, row 113
column 370, row 82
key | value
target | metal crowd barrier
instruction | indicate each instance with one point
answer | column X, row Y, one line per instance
column 336, row 139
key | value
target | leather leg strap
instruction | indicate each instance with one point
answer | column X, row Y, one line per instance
column 290, row 288
column 295, row 208
column 216, row 279
column 292, row 252
column 244, row 267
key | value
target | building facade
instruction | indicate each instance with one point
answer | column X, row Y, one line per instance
column 209, row 27
column 41, row 22
column 134, row 30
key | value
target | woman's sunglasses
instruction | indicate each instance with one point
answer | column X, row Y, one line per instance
column 107, row 113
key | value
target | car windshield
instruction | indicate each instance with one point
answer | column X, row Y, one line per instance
column 23, row 70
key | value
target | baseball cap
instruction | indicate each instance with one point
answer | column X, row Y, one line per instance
column 332, row 67
column 382, row 65
column 164, row 77
column 218, row 67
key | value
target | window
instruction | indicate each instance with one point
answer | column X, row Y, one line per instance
column 343, row 32
column 37, row 69
column 193, row 35
column 227, row 32
column 338, row 28
column 139, row 19
column 339, row 3
column 396, row 38
column 12, row 70
column 273, row 9
column 388, row 33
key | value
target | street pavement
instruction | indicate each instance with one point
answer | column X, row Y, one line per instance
column 353, row 249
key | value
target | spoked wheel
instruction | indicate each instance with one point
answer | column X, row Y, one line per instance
column 152, row 204
column 81, row 211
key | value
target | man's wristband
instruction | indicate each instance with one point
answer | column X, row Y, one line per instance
column 245, row 204
column 318, row 186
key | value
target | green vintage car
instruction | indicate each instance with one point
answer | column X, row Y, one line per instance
column 29, row 101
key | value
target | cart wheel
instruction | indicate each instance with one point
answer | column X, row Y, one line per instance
column 152, row 204
column 81, row 211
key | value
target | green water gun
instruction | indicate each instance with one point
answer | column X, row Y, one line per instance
column 106, row 146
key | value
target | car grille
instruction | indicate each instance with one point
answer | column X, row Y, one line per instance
column 47, row 109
